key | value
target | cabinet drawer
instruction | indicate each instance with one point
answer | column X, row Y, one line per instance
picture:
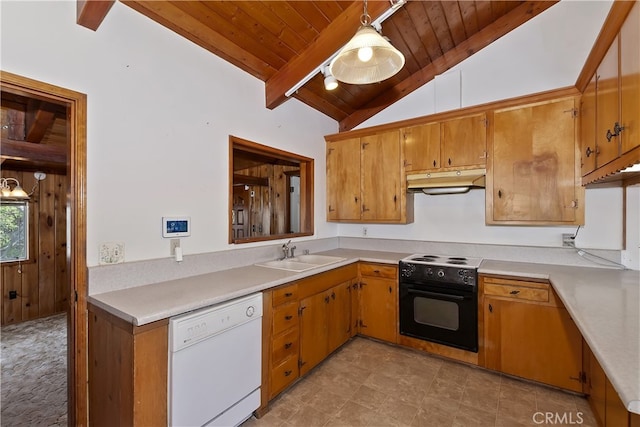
column 283, row 375
column 284, row 317
column 517, row 292
column 284, row 345
column 376, row 270
column 284, row 295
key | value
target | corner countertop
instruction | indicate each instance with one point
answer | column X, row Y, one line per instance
column 604, row 303
column 605, row 306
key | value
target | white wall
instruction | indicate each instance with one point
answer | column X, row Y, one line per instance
column 160, row 110
column 548, row 52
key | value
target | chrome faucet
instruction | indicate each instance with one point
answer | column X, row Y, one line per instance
column 288, row 252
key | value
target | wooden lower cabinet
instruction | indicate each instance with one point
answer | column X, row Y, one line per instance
column 604, row 400
column 325, row 324
column 378, row 298
column 528, row 333
column 127, row 371
column 303, row 323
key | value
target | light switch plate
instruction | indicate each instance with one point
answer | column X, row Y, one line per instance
column 111, row 253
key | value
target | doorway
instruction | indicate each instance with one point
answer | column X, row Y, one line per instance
column 76, row 265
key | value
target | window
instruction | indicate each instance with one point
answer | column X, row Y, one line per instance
column 270, row 193
column 14, row 231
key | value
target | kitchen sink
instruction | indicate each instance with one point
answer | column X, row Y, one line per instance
column 301, row 263
column 317, row 259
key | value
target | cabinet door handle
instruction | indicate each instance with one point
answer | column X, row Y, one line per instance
column 333, row 295
column 490, row 308
column 617, row 129
column 326, row 299
column 288, row 317
column 287, row 373
column 514, row 292
column 499, row 194
column 589, row 151
column 331, row 209
column 288, row 294
column 449, row 162
column 390, row 290
column 434, row 163
column 609, row 135
column 288, row 345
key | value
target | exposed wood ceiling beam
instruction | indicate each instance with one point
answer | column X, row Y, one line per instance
column 91, row 13
column 332, row 38
column 38, row 120
column 32, row 152
column 473, row 44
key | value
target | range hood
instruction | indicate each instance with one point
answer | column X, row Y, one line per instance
column 449, row 182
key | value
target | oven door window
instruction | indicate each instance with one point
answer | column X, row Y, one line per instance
column 438, row 313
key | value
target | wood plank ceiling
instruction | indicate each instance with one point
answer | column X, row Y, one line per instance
column 34, row 134
column 280, row 42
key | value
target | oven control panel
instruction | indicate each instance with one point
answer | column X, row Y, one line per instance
column 447, row 274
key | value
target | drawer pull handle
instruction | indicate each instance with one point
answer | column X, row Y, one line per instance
column 288, row 294
column 288, row 345
column 514, row 292
column 288, row 317
column 287, row 373
column 376, row 271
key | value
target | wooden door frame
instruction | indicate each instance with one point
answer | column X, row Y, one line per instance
column 77, row 321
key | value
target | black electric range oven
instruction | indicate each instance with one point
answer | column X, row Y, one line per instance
column 439, row 299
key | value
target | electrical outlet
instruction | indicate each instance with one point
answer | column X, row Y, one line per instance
column 111, row 253
column 364, row 231
column 173, row 244
column 567, row 240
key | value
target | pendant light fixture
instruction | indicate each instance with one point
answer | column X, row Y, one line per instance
column 367, row 57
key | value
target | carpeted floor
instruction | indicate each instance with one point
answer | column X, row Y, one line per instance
column 34, row 373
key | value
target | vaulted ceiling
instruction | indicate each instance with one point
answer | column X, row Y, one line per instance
column 282, row 41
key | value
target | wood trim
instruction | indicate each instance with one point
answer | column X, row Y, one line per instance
column 77, row 171
column 539, row 97
column 91, row 13
column 610, row 29
column 627, row 159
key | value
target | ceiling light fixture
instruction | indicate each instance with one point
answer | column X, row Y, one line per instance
column 17, row 193
column 368, row 57
column 377, row 24
column 330, row 82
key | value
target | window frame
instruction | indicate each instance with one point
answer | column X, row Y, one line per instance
column 306, row 188
column 27, row 232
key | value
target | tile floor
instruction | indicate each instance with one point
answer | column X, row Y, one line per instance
column 368, row 383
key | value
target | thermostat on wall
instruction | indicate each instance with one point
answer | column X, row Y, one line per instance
column 173, row 226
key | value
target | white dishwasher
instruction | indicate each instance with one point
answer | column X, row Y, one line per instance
column 215, row 363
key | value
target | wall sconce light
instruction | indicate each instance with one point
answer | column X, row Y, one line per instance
column 330, row 82
column 17, row 193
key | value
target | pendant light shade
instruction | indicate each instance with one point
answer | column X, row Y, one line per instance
column 367, row 57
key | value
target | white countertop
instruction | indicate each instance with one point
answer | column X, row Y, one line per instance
column 604, row 303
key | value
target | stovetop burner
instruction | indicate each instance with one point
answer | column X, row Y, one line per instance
column 444, row 260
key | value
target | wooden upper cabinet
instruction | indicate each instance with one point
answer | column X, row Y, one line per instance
column 588, row 128
column 366, row 180
column 343, row 180
column 630, row 79
column 608, row 112
column 534, row 174
column 421, row 147
column 382, row 188
column 464, row 142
